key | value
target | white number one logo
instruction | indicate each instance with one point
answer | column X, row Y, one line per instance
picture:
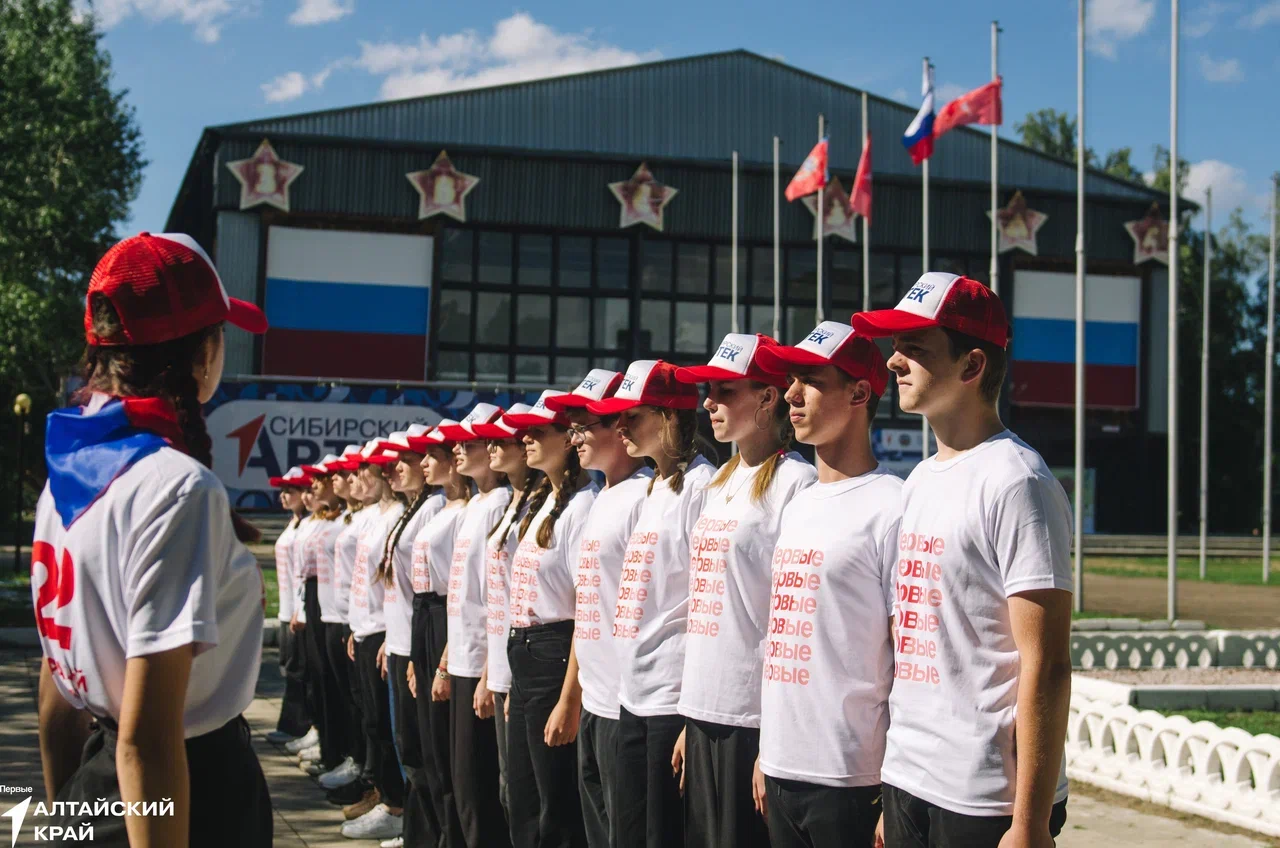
column 18, row 814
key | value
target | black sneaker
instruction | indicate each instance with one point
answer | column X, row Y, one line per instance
column 349, row 794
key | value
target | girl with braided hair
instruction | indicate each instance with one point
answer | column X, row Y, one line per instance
column 546, row 700
column 657, row 421
column 731, row 569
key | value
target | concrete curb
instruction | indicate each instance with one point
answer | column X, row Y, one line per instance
column 1175, row 696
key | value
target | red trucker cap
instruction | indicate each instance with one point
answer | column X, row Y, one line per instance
column 599, row 384
column 945, row 300
column 500, row 429
column 831, row 343
column 482, row 413
column 735, row 359
column 538, row 415
column 648, row 382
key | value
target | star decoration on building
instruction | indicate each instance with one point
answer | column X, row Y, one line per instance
column 1018, row 225
column 839, row 219
column 1150, row 237
column 442, row 189
column 265, row 178
column 642, row 198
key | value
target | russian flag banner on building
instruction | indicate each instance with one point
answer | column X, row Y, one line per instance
column 918, row 139
column 1043, row 355
column 347, row 304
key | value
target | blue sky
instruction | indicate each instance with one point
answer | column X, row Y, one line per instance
column 195, row 63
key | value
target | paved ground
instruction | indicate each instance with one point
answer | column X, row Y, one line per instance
column 304, row 820
column 1222, row 605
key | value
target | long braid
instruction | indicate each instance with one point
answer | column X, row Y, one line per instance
column 509, row 517
column 386, row 565
column 570, row 479
column 536, row 500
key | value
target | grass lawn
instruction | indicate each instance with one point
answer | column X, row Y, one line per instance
column 1244, row 572
column 1253, row 722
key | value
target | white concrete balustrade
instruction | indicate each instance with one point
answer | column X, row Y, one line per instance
column 1138, row 649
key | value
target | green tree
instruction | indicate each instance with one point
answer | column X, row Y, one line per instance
column 1052, row 132
column 1117, row 164
column 70, row 165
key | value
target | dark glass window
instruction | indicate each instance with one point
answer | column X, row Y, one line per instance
column 949, row 264
column 613, row 263
column 884, row 287
column 722, row 321
column 691, row 327
column 533, row 369
column 493, row 367
column 533, row 320
column 802, row 273
column 613, row 322
column 655, row 269
column 453, row 365
column 909, row 266
column 573, row 322
column 575, row 262
column 455, row 255
column 454, row 324
column 724, row 270
column 693, row 268
column 495, row 259
column 493, row 319
column 762, row 271
column 535, row 260
column 800, row 321
column 846, row 278
column 762, row 322
column 655, row 323
column 570, row 370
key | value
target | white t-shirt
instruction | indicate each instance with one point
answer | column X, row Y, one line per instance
column 653, row 595
column 284, row 570
column 828, row 663
column 397, row 603
column 302, row 569
column 433, row 549
column 467, row 605
column 542, row 579
column 152, row 565
column 319, row 549
column 729, row 588
column 499, row 547
column 344, row 562
column 976, row 529
column 604, row 541
column 367, row 589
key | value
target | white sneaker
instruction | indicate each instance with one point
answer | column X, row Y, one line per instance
column 312, row 738
column 309, row 755
column 378, row 823
column 343, row 775
column 398, row 842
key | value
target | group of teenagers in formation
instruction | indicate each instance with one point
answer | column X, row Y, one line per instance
column 562, row 624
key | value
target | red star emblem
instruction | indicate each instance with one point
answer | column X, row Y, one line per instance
column 265, row 178
column 442, row 189
column 1150, row 237
column 1018, row 225
column 642, row 198
column 839, row 219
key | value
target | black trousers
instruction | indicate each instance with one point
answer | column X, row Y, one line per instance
column 473, row 754
column 377, row 722
column 718, row 809
column 597, row 768
column 500, row 727
column 646, row 797
column 322, row 686
column 230, row 804
column 430, row 632
column 542, row 781
column 806, row 815
column 349, row 740
column 910, row 822
column 420, row 825
column 294, row 719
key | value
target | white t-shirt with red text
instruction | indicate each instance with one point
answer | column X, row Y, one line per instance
column 397, row 603
column 976, row 529
column 344, row 562
column 600, row 550
column 542, row 579
column 498, row 550
column 730, row 569
column 653, row 594
column 467, row 603
column 320, row 550
column 828, row 663
column 367, row 589
column 433, row 549
column 284, row 570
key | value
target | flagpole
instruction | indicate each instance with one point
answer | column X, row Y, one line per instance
column 777, row 246
column 821, row 313
column 733, row 299
column 866, row 229
column 1079, row 486
column 1204, row 381
column 995, row 166
column 1172, row 506
column 924, row 186
column 1267, row 393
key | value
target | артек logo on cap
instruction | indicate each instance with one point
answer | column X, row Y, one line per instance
column 919, row 291
column 729, row 351
column 820, row 336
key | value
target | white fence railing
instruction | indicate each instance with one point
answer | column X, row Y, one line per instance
column 1225, row 774
column 1105, row 649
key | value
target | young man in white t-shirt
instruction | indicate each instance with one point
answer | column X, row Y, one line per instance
column 828, row 661
column 984, row 592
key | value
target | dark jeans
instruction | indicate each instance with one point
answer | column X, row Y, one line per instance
column 646, row 797
column 500, row 727
column 294, row 718
column 597, row 770
column 719, row 812
column 377, row 723
column 473, row 753
column 420, row 824
column 806, row 815
column 322, row 686
column 348, row 732
column 542, row 781
column 430, row 627
column 910, row 822
column 230, row 804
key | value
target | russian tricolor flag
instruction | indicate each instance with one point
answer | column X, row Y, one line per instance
column 918, row 139
column 347, row 304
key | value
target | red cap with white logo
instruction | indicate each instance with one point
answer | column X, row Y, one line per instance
column 735, row 359
column 499, row 429
column 831, row 343
column 939, row 299
column 411, row 439
column 437, row 438
column 164, row 287
column 597, row 385
column 483, row 413
column 648, row 382
column 539, row 415
column 324, row 466
column 375, row 454
column 294, row 477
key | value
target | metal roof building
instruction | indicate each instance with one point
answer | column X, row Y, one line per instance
column 540, row 283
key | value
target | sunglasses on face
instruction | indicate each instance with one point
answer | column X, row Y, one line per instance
column 581, row 430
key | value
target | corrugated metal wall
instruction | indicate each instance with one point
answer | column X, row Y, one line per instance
column 701, row 107
column 236, row 255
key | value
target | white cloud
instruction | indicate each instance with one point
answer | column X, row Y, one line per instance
column 1110, row 21
column 1230, row 188
column 1224, row 70
column 1205, row 18
column 899, row 94
column 285, row 87
column 947, row 92
column 205, row 17
column 310, row 12
column 1267, row 13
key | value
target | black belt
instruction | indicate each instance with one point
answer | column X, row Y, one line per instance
column 430, row 599
column 560, row 628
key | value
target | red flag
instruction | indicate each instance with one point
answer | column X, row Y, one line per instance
column 980, row 106
column 860, row 199
column 812, row 174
